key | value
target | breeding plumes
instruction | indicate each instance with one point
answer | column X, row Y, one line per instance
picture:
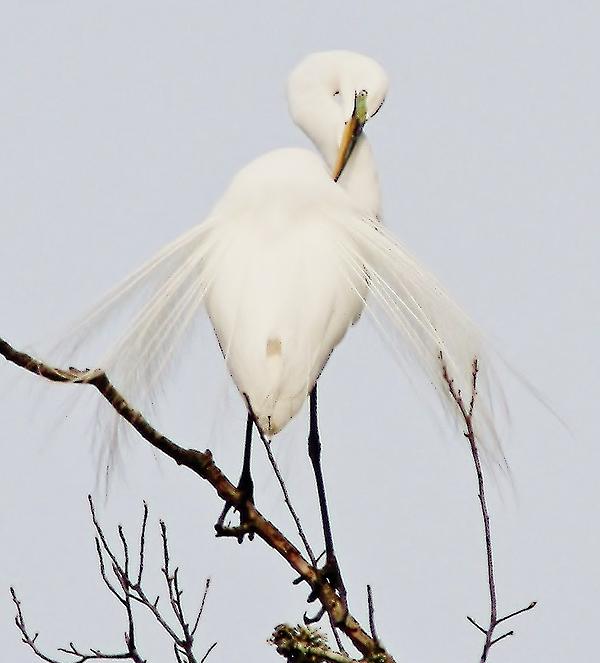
column 288, row 259
column 285, row 263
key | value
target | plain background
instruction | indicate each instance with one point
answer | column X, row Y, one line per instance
column 120, row 125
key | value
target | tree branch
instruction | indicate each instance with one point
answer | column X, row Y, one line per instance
column 202, row 464
column 371, row 607
column 129, row 593
column 466, row 412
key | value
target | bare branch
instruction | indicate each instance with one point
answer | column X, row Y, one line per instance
column 142, row 544
column 286, row 497
column 72, row 650
column 300, row 529
column 476, row 625
column 214, row 644
column 202, row 464
column 107, row 582
column 27, row 639
column 506, row 635
column 371, row 608
column 177, row 653
column 130, row 592
column 206, row 588
column 517, row 612
column 284, row 490
column 467, row 415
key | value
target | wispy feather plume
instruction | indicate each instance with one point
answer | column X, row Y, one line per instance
column 423, row 324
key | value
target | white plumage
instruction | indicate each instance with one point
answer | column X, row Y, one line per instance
column 286, row 262
column 281, row 296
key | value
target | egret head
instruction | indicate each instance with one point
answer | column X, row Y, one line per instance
column 331, row 96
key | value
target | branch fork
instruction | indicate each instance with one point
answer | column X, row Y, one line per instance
column 127, row 589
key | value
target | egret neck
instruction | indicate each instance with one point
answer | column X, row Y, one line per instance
column 322, row 101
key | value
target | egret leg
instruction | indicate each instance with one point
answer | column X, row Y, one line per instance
column 245, row 483
column 245, row 486
column 331, row 570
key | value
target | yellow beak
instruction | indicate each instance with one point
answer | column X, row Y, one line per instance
column 351, row 133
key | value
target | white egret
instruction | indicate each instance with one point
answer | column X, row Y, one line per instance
column 285, row 264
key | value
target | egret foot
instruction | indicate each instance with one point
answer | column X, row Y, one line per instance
column 246, row 487
column 331, row 574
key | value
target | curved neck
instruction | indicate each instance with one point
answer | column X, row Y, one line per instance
column 359, row 176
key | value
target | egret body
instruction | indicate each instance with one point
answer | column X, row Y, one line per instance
column 286, row 262
column 280, row 299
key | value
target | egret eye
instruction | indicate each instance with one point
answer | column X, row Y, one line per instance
column 336, row 93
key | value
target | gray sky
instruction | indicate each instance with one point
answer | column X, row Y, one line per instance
column 121, row 124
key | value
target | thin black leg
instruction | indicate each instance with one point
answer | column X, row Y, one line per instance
column 245, row 484
column 332, row 569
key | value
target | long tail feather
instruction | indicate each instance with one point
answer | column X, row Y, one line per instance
column 149, row 314
column 427, row 326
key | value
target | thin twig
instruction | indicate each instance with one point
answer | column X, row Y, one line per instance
column 297, row 521
column 506, row 635
column 371, row 608
column 476, row 625
column 183, row 645
column 284, row 490
column 206, row 588
column 107, row 582
column 287, row 499
column 517, row 612
column 467, row 416
column 72, row 650
column 299, row 528
column 142, row 544
column 214, row 644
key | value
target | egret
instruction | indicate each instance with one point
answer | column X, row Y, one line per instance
column 285, row 264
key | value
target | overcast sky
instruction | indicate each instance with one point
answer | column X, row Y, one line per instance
column 121, row 124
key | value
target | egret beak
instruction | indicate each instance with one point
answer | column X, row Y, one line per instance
column 353, row 129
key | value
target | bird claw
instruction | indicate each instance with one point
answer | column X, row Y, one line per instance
column 239, row 531
column 330, row 573
column 313, row 620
